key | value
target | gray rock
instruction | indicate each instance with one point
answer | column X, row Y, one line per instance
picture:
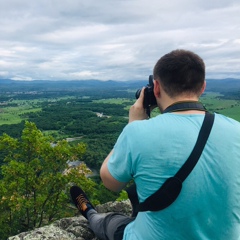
column 74, row 228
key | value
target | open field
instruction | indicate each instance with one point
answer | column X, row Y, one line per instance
column 14, row 112
column 114, row 101
column 229, row 108
column 13, row 115
column 233, row 112
column 211, row 100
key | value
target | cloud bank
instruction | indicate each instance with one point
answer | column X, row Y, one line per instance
column 118, row 40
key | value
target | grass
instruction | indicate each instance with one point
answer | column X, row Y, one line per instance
column 212, row 101
column 218, row 104
column 229, row 108
column 233, row 112
column 13, row 115
column 113, row 101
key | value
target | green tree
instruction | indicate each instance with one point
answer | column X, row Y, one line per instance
column 35, row 180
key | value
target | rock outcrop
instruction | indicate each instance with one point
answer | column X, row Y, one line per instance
column 74, row 228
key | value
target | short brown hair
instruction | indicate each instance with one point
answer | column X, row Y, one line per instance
column 180, row 72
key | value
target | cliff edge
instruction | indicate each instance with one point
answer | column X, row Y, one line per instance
column 74, row 228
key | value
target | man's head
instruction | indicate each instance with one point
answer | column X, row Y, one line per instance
column 180, row 72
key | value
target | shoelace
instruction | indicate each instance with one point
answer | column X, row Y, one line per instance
column 82, row 201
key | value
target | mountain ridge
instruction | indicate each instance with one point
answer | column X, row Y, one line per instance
column 228, row 84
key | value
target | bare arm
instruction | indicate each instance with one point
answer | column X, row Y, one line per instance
column 136, row 112
column 108, row 180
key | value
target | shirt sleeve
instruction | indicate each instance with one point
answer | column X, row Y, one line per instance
column 120, row 163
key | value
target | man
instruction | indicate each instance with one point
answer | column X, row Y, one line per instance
column 151, row 150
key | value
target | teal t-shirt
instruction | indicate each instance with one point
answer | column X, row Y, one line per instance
column 208, row 207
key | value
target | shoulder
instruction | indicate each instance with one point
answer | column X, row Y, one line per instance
column 226, row 128
column 222, row 119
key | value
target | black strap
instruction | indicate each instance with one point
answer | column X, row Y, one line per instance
column 185, row 105
column 198, row 148
column 171, row 188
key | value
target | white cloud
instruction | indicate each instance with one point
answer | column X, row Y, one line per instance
column 3, row 74
column 119, row 40
column 73, row 34
column 23, row 78
column 84, row 74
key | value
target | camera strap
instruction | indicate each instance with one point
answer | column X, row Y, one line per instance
column 171, row 188
column 184, row 106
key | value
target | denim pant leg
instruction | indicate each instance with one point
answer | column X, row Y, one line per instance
column 104, row 225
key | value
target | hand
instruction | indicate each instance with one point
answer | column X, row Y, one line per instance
column 137, row 111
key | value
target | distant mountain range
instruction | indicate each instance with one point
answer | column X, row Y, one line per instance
column 68, row 83
column 223, row 85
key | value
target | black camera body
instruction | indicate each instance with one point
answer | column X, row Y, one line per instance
column 149, row 98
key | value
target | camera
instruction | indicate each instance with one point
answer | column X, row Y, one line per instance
column 149, row 98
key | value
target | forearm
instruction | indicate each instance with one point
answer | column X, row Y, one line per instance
column 136, row 112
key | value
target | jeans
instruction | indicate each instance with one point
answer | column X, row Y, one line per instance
column 108, row 226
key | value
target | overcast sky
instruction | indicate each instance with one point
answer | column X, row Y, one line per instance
column 114, row 39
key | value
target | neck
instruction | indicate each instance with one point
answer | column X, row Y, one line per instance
column 186, row 107
column 166, row 102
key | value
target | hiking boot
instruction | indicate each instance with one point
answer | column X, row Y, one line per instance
column 80, row 200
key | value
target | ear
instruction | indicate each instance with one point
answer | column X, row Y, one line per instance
column 156, row 89
column 203, row 87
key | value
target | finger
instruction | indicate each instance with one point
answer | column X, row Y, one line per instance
column 141, row 96
column 142, row 93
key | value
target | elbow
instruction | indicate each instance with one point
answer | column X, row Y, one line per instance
column 109, row 182
column 104, row 175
